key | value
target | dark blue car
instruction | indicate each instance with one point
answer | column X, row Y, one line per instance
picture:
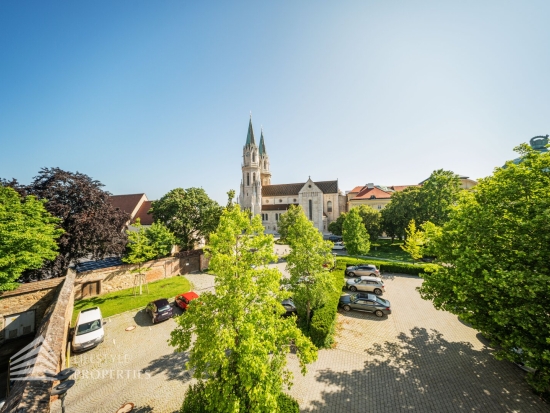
column 159, row 310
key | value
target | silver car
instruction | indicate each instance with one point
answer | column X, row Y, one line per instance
column 362, row 269
column 365, row 283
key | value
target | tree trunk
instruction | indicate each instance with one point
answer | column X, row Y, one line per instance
column 308, row 310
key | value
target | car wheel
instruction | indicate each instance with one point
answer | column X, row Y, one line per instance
column 377, row 291
column 379, row 313
column 347, row 308
column 352, row 288
column 351, row 274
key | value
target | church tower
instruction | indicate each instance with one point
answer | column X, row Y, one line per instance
column 264, row 163
column 250, row 196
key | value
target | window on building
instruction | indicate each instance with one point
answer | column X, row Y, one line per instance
column 248, row 178
column 253, row 156
column 280, row 200
column 267, row 201
column 329, row 206
column 254, row 177
column 310, row 210
column 379, row 206
column 294, row 199
column 265, row 164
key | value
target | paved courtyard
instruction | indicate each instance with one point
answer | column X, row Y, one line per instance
column 416, row 359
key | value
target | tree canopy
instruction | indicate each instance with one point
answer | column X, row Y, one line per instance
column 287, row 220
column 28, row 236
column 495, row 247
column 355, row 234
column 93, row 228
column 310, row 281
column 189, row 214
column 160, row 239
column 372, row 219
column 336, row 226
column 237, row 338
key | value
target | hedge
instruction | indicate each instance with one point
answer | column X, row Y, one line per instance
column 386, row 266
column 323, row 322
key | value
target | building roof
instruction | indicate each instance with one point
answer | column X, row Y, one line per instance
column 373, row 193
column 250, row 135
column 276, row 207
column 127, row 203
column 96, row 265
column 262, row 144
column 356, row 189
column 399, row 188
column 144, row 217
column 327, row 187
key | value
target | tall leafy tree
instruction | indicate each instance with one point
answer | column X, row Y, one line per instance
column 336, row 226
column 160, row 239
column 189, row 214
column 438, row 194
column 496, row 247
column 240, row 339
column 413, row 241
column 288, row 219
column 28, row 236
column 355, row 234
column 93, row 228
column 404, row 206
column 139, row 251
column 372, row 219
column 310, row 282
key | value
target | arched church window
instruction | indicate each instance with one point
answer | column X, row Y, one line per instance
column 329, row 206
column 253, row 156
column 265, row 164
column 310, row 210
column 254, row 177
column 280, row 200
column 248, row 178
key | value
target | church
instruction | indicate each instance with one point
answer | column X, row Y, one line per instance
column 322, row 201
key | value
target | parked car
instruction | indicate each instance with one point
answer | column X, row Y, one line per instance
column 520, row 363
column 366, row 283
column 183, row 300
column 362, row 269
column 290, row 307
column 88, row 331
column 159, row 310
column 371, row 304
column 339, row 246
column 335, row 238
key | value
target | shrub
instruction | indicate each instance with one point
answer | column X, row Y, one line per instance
column 287, row 404
column 386, row 266
column 195, row 400
column 321, row 329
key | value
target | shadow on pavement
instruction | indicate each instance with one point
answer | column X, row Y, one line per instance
column 423, row 372
column 172, row 365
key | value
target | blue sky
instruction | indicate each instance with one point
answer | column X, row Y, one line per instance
column 147, row 96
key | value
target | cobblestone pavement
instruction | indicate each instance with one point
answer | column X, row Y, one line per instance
column 416, row 359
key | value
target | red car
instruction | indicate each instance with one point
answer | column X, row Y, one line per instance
column 183, row 300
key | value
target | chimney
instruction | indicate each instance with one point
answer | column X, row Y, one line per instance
column 370, row 185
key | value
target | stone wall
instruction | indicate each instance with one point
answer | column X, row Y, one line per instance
column 35, row 296
column 35, row 395
column 120, row 277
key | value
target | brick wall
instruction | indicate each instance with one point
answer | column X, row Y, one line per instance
column 35, row 296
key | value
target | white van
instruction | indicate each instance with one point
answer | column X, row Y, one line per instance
column 88, row 331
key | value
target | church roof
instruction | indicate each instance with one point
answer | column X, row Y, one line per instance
column 276, row 207
column 327, row 187
column 250, row 135
column 262, row 144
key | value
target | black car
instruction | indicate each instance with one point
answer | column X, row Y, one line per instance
column 159, row 310
column 335, row 238
column 290, row 307
column 365, row 302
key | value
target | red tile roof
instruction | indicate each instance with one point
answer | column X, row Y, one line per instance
column 276, row 207
column 126, row 203
column 356, row 189
column 400, row 187
column 142, row 214
column 368, row 193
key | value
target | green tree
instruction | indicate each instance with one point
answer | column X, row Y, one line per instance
column 160, row 239
column 372, row 219
column 438, row 194
column 431, row 234
column 496, row 247
column 139, row 251
column 311, row 283
column 404, row 206
column 335, row 227
column 414, row 241
column 355, row 234
column 28, row 236
column 240, row 341
column 287, row 220
column 189, row 214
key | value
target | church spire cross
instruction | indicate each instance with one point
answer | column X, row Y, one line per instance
column 250, row 135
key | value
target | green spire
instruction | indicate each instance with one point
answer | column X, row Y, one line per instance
column 250, row 136
column 262, row 144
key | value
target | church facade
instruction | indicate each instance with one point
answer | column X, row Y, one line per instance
column 322, row 202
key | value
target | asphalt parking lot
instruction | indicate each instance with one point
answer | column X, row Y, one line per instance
column 416, row 359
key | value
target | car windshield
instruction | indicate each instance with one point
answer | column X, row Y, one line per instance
column 88, row 327
column 164, row 308
column 381, row 301
column 357, row 280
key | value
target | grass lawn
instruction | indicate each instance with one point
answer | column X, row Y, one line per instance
column 383, row 248
column 119, row 301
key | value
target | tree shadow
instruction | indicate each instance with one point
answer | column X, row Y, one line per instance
column 423, row 372
column 173, row 365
